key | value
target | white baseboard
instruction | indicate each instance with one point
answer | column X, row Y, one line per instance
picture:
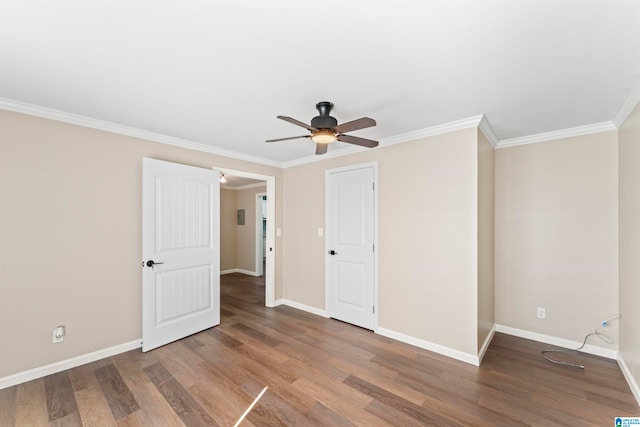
column 560, row 342
column 486, row 344
column 436, row 348
column 633, row 385
column 303, row 307
column 240, row 270
column 465, row 357
column 591, row 349
column 247, row 272
column 43, row 371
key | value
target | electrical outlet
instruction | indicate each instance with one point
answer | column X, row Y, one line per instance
column 58, row 334
column 542, row 313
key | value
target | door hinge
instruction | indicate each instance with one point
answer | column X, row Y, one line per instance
column 374, row 247
column 374, row 309
column 373, row 186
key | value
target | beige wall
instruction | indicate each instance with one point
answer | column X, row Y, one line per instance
column 557, row 235
column 246, row 234
column 427, row 236
column 630, row 244
column 228, row 238
column 304, row 251
column 70, row 236
column 486, row 215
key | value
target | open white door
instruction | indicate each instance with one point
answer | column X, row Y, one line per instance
column 180, row 251
column 350, row 240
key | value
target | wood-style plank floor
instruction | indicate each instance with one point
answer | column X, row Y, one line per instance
column 319, row 372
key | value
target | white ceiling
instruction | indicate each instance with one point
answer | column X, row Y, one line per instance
column 218, row 72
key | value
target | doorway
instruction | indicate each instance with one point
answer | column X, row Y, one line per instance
column 269, row 226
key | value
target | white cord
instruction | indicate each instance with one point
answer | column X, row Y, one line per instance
column 597, row 333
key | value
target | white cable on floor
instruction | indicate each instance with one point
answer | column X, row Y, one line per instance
column 250, row 407
column 597, row 333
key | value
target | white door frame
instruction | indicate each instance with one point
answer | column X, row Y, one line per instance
column 269, row 277
column 327, row 172
column 259, row 235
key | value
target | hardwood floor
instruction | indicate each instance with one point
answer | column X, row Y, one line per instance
column 318, row 372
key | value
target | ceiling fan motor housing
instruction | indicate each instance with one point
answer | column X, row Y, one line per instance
column 324, row 120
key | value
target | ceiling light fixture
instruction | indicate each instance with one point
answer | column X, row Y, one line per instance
column 223, row 180
column 324, row 136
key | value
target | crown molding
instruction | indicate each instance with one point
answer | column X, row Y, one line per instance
column 627, row 107
column 479, row 121
column 558, row 134
column 88, row 122
column 393, row 140
column 433, row 131
column 487, row 131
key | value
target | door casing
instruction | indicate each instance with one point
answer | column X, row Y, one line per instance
column 260, row 254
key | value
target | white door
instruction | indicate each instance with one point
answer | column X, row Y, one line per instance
column 180, row 251
column 350, row 238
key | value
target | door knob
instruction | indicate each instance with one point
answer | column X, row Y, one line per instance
column 151, row 263
column 332, row 252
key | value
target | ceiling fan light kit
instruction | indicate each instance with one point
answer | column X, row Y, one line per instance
column 323, row 136
column 325, row 129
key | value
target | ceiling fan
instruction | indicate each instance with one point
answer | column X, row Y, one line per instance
column 325, row 129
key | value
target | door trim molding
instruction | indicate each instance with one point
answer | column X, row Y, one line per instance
column 259, row 235
column 270, row 274
column 327, row 173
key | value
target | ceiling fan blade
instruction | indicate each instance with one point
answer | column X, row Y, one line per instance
column 321, row 148
column 362, row 123
column 297, row 122
column 358, row 141
column 286, row 139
